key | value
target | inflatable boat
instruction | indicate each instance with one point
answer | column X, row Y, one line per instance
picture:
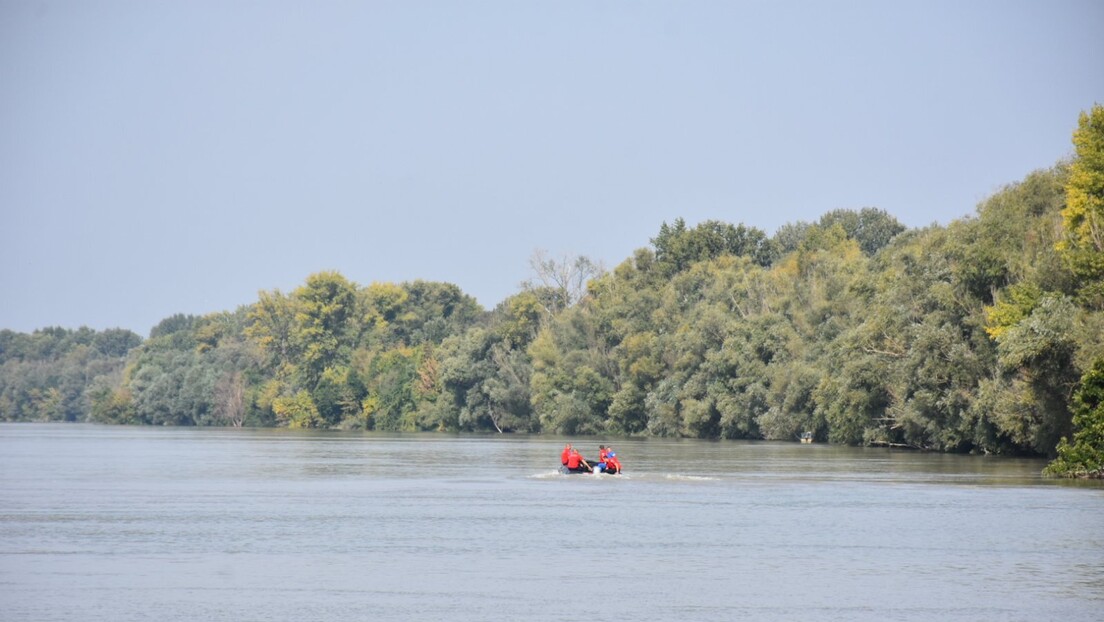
column 582, row 469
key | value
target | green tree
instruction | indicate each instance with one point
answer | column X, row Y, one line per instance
column 338, row 396
column 570, row 391
column 47, row 375
column 789, row 236
column 1016, row 303
column 112, row 406
column 678, row 247
column 1037, row 354
column 391, row 382
column 1084, row 457
column 434, row 311
column 518, row 318
column 872, row 228
column 383, row 306
column 272, row 327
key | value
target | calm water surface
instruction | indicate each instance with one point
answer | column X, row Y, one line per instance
column 113, row 523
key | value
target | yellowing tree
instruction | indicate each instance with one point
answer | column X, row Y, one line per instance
column 297, row 411
column 324, row 307
column 1083, row 216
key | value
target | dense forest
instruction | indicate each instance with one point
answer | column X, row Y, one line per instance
column 985, row 335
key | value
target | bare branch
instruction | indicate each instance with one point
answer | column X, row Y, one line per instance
column 566, row 277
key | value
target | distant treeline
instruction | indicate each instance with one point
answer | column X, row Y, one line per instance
column 985, row 335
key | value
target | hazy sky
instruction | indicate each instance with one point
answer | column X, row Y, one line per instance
column 178, row 157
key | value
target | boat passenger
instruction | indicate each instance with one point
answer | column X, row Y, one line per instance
column 602, row 452
column 613, row 465
column 565, row 453
column 575, row 459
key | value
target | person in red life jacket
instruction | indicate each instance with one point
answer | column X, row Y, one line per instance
column 603, row 451
column 613, row 465
column 575, row 459
column 565, row 453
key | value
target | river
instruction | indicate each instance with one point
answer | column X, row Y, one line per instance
column 173, row 524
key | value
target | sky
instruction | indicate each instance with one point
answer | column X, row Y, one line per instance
column 162, row 157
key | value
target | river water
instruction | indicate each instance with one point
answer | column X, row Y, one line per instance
column 167, row 524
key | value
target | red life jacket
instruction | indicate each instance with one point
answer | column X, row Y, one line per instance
column 563, row 456
column 573, row 460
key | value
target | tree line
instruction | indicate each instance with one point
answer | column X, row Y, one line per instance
column 985, row 335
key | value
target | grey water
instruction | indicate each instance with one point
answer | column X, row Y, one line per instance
column 124, row 523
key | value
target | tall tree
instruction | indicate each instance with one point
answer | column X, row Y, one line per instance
column 678, row 247
column 327, row 303
column 1083, row 246
column 272, row 327
column 872, row 228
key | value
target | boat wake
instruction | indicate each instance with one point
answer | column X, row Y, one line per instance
column 671, row 477
column 678, row 477
column 557, row 474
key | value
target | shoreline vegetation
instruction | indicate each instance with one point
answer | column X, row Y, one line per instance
column 982, row 336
